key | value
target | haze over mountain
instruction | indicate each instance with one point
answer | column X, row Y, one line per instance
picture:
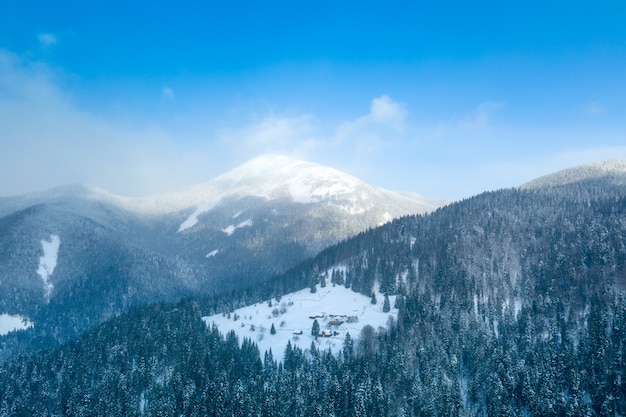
column 70, row 244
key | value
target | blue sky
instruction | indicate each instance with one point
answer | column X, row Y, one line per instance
column 446, row 100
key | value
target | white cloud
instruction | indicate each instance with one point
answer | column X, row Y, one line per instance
column 383, row 112
column 481, row 117
column 303, row 136
column 46, row 141
column 47, row 39
column 369, row 133
column 282, row 134
column 276, row 131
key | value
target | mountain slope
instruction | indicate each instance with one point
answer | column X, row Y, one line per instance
column 509, row 303
column 612, row 172
column 273, row 177
column 114, row 252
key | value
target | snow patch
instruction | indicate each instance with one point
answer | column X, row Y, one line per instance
column 231, row 229
column 337, row 309
column 48, row 262
column 142, row 403
column 192, row 220
column 517, row 307
column 9, row 323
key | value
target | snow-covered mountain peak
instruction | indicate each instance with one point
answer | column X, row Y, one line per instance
column 265, row 165
column 614, row 167
column 273, row 176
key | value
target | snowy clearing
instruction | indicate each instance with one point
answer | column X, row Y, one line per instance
column 337, row 309
column 8, row 323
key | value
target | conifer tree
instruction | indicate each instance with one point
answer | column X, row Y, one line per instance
column 348, row 348
column 315, row 329
column 386, row 305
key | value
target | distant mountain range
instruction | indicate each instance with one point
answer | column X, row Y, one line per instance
column 73, row 256
column 611, row 172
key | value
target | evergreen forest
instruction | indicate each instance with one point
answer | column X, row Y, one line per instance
column 511, row 303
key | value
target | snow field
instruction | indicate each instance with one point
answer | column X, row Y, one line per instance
column 8, row 323
column 294, row 314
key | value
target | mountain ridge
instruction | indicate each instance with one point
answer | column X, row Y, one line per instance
column 268, row 176
column 262, row 219
column 510, row 302
column 274, row 177
column 583, row 172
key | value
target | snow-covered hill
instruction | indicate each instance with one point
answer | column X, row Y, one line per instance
column 615, row 170
column 337, row 309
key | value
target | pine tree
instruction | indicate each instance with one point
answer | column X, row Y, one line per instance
column 339, row 280
column 348, row 348
column 386, row 305
column 315, row 329
column 313, row 284
column 273, row 329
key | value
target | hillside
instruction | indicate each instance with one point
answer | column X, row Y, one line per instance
column 63, row 246
column 509, row 303
column 337, row 309
column 611, row 171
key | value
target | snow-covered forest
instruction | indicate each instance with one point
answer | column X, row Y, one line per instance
column 509, row 303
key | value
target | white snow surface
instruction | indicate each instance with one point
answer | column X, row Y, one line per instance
column 293, row 314
column 229, row 230
column 274, row 177
column 9, row 322
column 48, row 262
